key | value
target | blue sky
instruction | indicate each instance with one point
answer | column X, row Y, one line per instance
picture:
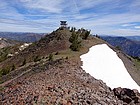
column 110, row 17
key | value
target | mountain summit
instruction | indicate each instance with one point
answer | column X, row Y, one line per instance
column 49, row 72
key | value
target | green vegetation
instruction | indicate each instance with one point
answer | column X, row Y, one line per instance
column 87, row 33
column 76, row 42
column 50, row 57
column 77, row 36
column 24, row 62
column 84, row 34
column 97, row 36
column 5, row 70
column 3, row 57
column 13, row 67
column 136, row 61
column 73, row 29
column 3, row 53
column 75, row 46
column 67, row 57
column 1, row 88
column 137, row 58
column 37, row 58
column 8, row 50
column 56, row 53
column 118, row 47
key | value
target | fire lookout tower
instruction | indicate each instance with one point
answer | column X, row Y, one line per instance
column 63, row 24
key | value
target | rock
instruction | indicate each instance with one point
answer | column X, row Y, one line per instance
column 64, row 102
column 88, row 102
column 36, row 99
column 126, row 95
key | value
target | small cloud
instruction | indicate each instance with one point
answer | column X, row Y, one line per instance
column 44, row 15
column 127, row 25
column 53, row 6
column 137, row 27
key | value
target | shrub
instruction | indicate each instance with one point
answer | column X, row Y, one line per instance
column 67, row 57
column 5, row 71
column 97, row 36
column 37, row 58
column 73, row 37
column 13, row 67
column 84, row 33
column 118, row 47
column 3, row 53
column 72, row 29
column 24, row 62
column 76, row 43
column 56, row 53
column 136, row 58
column 75, row 46
column 50, row 57
column 3, row 57
column 87, row 33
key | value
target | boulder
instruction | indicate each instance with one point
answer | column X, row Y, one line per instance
column 126, row 95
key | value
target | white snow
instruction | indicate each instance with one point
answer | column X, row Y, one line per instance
column 25, row 45
column 10, row 55
column 103, row 63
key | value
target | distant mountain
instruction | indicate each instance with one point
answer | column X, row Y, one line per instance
column 24, row 37
column 134, row 38
column 7, row 42
column 128, row 46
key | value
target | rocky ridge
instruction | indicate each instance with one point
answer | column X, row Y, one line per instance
column 61, row 82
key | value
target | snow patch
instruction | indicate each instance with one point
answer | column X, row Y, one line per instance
column 10, row 55
column 103, row 63
column 25, row 45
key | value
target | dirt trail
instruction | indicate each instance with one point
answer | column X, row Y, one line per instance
column 5, row 83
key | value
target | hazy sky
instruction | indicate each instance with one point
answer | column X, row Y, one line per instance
column 111, row 17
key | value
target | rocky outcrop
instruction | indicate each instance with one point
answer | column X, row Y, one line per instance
column 127, row 95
